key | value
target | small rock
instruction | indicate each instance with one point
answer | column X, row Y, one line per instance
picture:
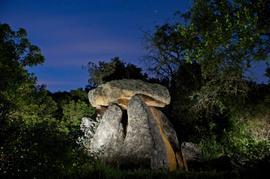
column 191, row 152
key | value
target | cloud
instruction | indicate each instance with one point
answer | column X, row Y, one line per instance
column 94, row 47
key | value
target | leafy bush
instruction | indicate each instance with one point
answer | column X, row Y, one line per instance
column 247, row 141
column 211, row 149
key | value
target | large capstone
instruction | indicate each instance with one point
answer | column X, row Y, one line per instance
column 121, row 91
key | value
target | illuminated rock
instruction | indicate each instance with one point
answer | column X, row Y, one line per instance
column 88, row 126
column 109, row 132
column 146, row 140
column 138, row 142
column 169, row 137
column 121, row 91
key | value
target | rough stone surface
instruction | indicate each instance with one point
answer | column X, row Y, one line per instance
column 163, row 154
column 88, row 127
column 169, row 130
column 121, row 91
column 146, row 139
column 172, row 137
column 105, row 142
column 138, row 142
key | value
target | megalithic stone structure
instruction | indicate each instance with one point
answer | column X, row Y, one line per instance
column 133, row 132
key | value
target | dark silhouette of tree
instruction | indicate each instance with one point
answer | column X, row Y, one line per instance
column 267, row 73
column 115, row 69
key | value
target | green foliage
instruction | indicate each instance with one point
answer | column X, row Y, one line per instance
column 77, row 110
column 249, row 139
column 37, row 133
column 34, row 142
column 39, row 149
column 228, row 39
column 73, row 112
column 16, row 53
column 225, row 38
column 246, row 147
column 63, row 98
column 211, row 149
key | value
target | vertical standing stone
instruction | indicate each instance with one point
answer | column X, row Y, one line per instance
column 138, row 142
column 163, row 155
column 169, row 141
column 146, row 140
column 109, row 133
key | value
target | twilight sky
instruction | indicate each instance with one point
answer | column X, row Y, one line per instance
column 71, row 33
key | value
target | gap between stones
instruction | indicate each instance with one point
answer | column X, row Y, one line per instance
column 124, row 122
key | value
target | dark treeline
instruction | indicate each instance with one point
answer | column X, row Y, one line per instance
column 202, row 59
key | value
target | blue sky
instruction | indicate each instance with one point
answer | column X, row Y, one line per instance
column 71, row 33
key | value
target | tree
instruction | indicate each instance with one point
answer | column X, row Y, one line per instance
column 23, row 104
column 115, row 69
column 187, row 80
column 16, row 53
column 225, row 38
column 73, row 112
column 165, row 50
column 72, row 107
column 34, row 139
column 230, row 39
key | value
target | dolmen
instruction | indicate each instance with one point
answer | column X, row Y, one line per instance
column 130, row 130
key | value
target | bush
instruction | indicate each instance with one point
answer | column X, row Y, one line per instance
column 247, row 142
